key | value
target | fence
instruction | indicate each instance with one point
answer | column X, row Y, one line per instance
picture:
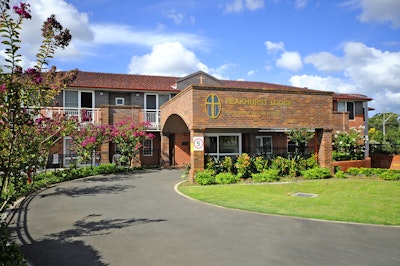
column 384, row 148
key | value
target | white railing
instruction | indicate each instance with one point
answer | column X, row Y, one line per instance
column 83, row 114
column 153, row 117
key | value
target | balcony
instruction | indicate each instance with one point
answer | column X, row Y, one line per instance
column 83, row 114
column 153, row 117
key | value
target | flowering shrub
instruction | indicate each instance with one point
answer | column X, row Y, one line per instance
column 348, row 145
column 129, row 138
column 87, row 138
column 243, row 166
column 24, row 140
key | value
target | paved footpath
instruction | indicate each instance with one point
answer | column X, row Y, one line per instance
column 138, row 219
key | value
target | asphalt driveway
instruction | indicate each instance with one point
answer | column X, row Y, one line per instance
column 138, row 219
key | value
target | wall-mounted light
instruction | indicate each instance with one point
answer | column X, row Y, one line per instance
column 101, row 93
column 137, row 94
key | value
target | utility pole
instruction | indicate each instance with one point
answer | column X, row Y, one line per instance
column 384, row 124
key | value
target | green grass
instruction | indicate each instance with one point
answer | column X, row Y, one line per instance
column 351, row 200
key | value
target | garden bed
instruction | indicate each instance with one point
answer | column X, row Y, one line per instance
column 344, row 165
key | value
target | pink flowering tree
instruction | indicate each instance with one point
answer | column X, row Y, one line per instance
column 87, row 137
column 23, row 135
column 129, row 138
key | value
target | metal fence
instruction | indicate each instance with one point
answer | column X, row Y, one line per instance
column 384, row 148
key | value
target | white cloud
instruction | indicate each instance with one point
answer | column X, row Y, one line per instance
column 251, row 72
column 290, row 60
column 324, row 61
column 254, row 4
column 179, row 18
column 168, row 58
column 364, row 70
column 123, row 34
column 173, row 59
column 238, row 6
column 369, row 68
column 323, row 83
column 381, row 11
column 274, row 47
column 386, row 101
column 300, row 4
column 235, row 7
column 77, row 22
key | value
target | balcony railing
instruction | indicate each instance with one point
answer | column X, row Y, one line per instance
column 92, row 115
column 153, row 117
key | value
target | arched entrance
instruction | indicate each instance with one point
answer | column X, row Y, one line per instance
column 175, row 141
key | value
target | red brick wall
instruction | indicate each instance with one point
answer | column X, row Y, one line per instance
column 340, row 121
column 344, row 165
column 385, row 161
column 246, row 108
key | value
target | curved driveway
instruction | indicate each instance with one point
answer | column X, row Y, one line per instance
column 138, row 219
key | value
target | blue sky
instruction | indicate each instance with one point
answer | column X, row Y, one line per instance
column 349, row 46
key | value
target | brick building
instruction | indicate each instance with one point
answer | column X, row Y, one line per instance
column 200, row 115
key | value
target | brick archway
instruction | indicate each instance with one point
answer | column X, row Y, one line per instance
column 175, row 142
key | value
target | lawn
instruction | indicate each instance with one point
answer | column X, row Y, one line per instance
column 352, row 200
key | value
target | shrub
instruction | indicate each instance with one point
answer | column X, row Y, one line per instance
column 226, row 178
column 390, row 175
column 214, row 164
column 317, row 173
column 227, row 164
column 340, row 174
column 259, row 164
column 353, row 171
column 10, row 254
column 280, row 164
column 268, row 175
column 243, row 166
column 206, row 177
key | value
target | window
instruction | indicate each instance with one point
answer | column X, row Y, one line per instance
column 71, row 99
column 292, row 148
column 148, row 147
column 213, row 106
column 346, row 107
column 119, row 101
column 219, row 145
column 264, row 145
column 70, row 155
column 154, row 101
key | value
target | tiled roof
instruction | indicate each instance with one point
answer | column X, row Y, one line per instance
column 130, row 82
column 108, row 81
column 354, row 97
column 260, row 85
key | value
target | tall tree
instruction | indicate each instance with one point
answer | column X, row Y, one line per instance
column 23, row 137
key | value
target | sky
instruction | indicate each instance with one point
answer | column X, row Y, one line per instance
column 345, row 46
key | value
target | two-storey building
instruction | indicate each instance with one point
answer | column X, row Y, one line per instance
column 200, row 115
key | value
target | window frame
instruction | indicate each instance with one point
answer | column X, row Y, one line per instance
column 219, row 154
column 119, row 99
column 344, row 106
column 144, row 150
column 260, row 140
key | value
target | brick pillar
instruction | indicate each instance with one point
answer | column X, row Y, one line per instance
column 196, row 157
column 105, row 120
column 251, row 143
column 325, row 147
column 164, row 155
